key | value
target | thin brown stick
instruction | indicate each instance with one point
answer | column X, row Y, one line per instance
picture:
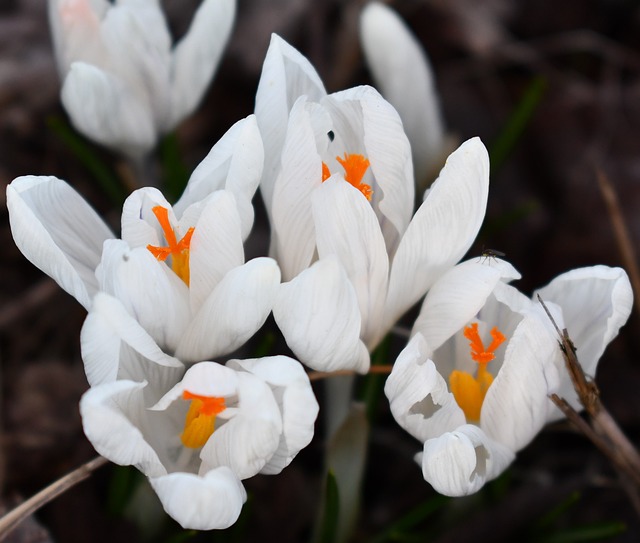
column 621, row 232
column 318, row 375
column 601, row 429
column 9, row 521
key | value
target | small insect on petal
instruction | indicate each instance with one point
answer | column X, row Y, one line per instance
column 490, row 254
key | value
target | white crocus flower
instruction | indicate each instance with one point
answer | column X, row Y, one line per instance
column 338, row 186
column 402, row 72
column 196, row 435
column 124, row 82
column 179, row 271
column 473, row 384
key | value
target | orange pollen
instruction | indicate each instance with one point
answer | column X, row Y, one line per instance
column 178, row 250
column 355, row 166
column 470, row 391
column 478, row 352
column 200, row 421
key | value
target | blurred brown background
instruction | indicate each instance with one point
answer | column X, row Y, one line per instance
column 580, row 60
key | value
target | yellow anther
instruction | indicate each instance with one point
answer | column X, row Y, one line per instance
column 470, row 391
column 200, row 421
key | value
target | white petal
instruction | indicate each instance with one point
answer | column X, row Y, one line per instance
column 459, row 463
column 208, row 502
column 363, row 118
column 202, row 379
column 234, row 163
column 139, row 225
column 347, row 227
column 403, row 74
column 106, row 329
column 103, row 109
column 296, row 401
column 442, row 229
column 248, row 440
column 216, row 246
column 111, row 413
column 196, row 56
column 150, row 291
column 596, row 301
column 234, row 311
column 137, row 39
column 456, row 298
column 517, row 403
column 301, row 173
column 319, row 317
column 58, row 232
column 75, row 29
column 418, row 395
column 286, row 75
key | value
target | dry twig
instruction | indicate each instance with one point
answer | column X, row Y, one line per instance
column 9, row 521
column 600, row 428
column 623, row 238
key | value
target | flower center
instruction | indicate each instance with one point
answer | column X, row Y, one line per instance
column 200, row 421
column 178, row 250
column 469, row 391
column 355, row 166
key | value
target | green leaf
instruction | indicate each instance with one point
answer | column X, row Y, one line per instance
column 517, row 122
column 175, row 174
column 599, row 531
column 373, row 386
column 558, row 511
column 331, row 513
column 109, row 182
column 123, row 482
column 399, row 530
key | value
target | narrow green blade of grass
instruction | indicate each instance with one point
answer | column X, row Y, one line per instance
column 330, row 517
column 109, row 182
column 600, row 531
column 175, row 173
column 517, row 123
column 559, row 510
column 399, row 530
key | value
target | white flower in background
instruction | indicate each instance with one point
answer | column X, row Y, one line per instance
column 473, row 384
column 338, row 186
column 124, row 82
column 402, row 72
column 179, row 271
column 196, row 435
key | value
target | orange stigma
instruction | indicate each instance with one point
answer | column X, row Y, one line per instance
column 355, row 166
column 200, row 421
column 178, row 250
column 470, row 391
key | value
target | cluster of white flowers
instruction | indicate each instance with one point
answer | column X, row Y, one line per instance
column 174, row 294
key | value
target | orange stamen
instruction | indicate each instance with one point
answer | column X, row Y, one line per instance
column 470, row 391
column 326, row 173
column 178, row 250
column 355, row 166
column 478, row 352
column 200, row 421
